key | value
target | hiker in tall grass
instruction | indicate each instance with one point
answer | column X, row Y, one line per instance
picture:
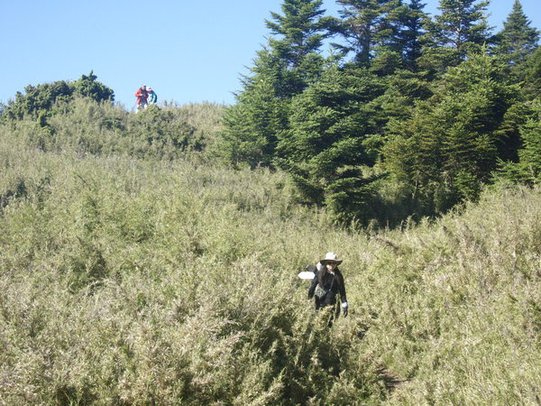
column 327, row 283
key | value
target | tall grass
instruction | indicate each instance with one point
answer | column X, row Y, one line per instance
column 86, row 127
column 127, row 279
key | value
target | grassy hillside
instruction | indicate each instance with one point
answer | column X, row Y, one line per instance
column 156, row 276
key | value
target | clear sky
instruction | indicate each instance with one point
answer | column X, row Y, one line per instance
column 189, row 51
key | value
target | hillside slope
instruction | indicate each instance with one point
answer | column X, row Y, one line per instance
column 129, row 280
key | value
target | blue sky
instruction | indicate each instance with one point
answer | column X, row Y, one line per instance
column 188, row 51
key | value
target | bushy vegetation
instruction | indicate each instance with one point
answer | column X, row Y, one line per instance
column 39, row 101
column 135, row 271
column 87, row 127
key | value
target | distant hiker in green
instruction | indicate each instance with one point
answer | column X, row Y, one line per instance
column 152, row 96
column 327, row 283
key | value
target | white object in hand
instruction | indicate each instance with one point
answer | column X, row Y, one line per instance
column 307, row 275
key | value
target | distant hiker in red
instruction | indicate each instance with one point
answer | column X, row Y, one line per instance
column 141, row 97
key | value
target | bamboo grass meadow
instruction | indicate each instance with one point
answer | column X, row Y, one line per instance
column 155, row 275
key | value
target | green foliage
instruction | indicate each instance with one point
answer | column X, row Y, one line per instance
column 299, row 30
column 161, row 133
column 412, row 21
column 532, row 75
column 440, row 136
column 206, row 120
column 38, row 101
column 135, row 271
column 252, row 124
column 461, row 23
column 89, row 87
column 359, row 25
column 385, row 34
column 528, row 168
column 459, row 29
column 517, row 39
column 331, row 126
column 402, row 91
column 449, row 148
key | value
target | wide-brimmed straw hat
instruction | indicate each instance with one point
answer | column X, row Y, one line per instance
column 331, row 257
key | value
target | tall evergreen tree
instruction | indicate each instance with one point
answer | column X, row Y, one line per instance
column 283, row 69
column 462, row 23
column 385, row 34
column 398, row 43
column 517, row 39
column 327, row 143
column 461, row 27
column 413, row 21
column 252, row 124
column 298, row 34
column 361, row 22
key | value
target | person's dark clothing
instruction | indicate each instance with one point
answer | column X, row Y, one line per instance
column 333, row 283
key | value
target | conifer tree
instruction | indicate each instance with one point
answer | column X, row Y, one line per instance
column 450, row 146
column 412, row 20
column 362, row 21
column 532, row 75
column 326, row 146
column 396, row 61
column 398, row 42
column 518, row 39
column 462, row 23
column 384, row 34
column 252, row 124
column 461, row 27
column 528, row 168
column 298, row 34
column 283, row 69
